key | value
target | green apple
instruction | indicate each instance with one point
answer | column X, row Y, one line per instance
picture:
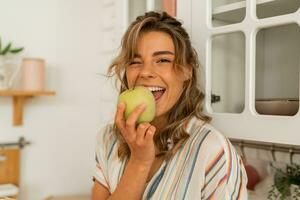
column 135, row 97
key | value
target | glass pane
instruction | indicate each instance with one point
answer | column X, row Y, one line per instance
column 277, row 70
column 228, row 73
column 136, row 8
column 226, row 12
column 270, row 8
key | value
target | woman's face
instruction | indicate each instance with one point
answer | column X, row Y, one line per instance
column 153, row 67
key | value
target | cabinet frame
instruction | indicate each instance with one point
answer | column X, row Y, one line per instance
column 248, row 124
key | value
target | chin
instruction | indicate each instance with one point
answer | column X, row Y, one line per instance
column 160, row 115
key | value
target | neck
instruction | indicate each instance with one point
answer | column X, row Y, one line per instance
column 160, row 123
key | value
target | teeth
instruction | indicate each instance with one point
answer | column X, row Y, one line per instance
column 152, row 89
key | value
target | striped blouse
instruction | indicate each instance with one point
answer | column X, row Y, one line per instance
column 205, row 167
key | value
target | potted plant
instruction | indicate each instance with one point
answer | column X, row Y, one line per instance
column 6, row 72
column 286, row 183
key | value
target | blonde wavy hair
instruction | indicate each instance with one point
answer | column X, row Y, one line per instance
column 191, row 100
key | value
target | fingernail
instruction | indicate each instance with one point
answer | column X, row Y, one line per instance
column 142, row 126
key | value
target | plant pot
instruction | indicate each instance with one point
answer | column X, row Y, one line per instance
column 8, row 72
column 4, row 73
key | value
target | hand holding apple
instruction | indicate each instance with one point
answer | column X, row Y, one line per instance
column 139, row 137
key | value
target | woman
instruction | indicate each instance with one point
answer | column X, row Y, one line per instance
column 179, row 155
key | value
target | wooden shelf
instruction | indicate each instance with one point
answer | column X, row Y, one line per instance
column 19, row 98
column 235, row 12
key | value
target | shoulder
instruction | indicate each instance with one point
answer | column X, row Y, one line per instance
column 105, row 133
column 222, row 167
column 212, row 138
column 213, row 145
column 216, row 139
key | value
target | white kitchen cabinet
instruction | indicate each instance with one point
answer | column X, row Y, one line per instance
column 250, row 51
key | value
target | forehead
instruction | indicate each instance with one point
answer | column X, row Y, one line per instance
column 150, row 42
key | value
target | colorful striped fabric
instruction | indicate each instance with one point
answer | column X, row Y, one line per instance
column 205, row 167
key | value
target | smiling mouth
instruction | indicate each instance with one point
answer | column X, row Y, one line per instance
column 157, row 92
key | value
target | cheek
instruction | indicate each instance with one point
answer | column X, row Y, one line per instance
column 176, row 90
column 131, row 78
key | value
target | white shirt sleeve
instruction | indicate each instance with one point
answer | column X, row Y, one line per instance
column 101, row 168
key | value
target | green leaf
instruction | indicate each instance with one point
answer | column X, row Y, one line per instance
column 0, row 45
column 6, row 49
column 16, row 50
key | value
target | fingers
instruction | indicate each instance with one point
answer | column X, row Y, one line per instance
column 141, row 131
column 119, row 117
column 128, row 127
column 131, row 121
column 150, row 133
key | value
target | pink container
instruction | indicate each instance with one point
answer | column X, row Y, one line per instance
column 33, row 74
column 170, row 7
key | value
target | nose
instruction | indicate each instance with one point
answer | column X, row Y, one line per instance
column 147, row 70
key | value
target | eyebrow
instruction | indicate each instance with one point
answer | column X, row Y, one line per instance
column 162, row 52
column 156, row 53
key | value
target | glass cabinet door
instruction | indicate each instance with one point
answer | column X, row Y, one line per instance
column 277, row 70
column 271, row 8
column 228, row 72
column 277, row 59
column 250, row 51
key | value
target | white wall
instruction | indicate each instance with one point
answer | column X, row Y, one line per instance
column 62, row 128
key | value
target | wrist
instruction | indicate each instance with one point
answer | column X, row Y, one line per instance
column 140, row 165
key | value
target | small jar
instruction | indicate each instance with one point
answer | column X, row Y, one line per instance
column 33, row 74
